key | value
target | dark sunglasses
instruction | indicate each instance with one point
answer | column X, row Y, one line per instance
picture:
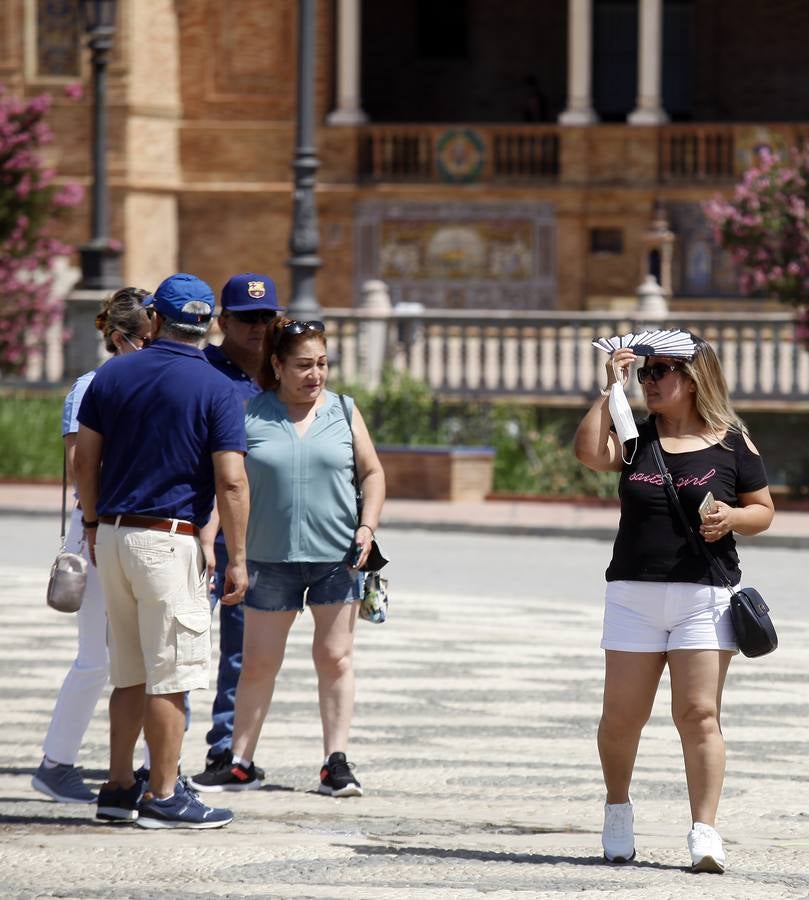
column 656, row 372
column 254, row 316
column 300, row 327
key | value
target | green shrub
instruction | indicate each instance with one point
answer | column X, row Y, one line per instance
column 533, row 445
column 31, row 435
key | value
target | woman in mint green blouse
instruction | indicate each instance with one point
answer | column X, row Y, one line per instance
column 304, row 543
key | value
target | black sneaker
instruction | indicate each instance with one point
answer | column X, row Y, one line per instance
column 225, row 776
column 219, row 759
column 336, row 778
column 118, row 804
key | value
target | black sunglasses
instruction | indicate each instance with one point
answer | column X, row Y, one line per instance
column 656, row 372
column 300, row 327
column 254, row 316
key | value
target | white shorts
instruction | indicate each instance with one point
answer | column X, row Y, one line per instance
column 158, row 608
column 653, row 616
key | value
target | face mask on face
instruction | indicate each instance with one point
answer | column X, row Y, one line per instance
column 622, row 417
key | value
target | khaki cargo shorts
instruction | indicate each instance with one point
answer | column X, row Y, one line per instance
column 158, row 609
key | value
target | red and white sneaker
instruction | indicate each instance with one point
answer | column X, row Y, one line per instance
column 337, row 779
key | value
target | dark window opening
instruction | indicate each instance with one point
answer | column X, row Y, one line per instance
column 442, row 29
column 606, row 240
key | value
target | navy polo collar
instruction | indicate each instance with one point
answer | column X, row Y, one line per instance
column 177, row 347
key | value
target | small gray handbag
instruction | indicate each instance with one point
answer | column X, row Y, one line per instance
column 68, row 577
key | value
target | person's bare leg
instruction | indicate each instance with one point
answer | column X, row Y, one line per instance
column 164, row 726
column 630, row 685
column 697, row 681
column 332, row 652
column 265, row 641
column 126, row 720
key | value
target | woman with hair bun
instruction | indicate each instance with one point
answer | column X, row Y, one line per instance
column 125, row 324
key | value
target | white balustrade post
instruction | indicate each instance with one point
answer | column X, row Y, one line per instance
column 349, row 106
column 579, row 109
column 649, row 109
column 373, row 332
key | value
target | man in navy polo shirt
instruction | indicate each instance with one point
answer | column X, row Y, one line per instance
column 249, row 303
column 159, row 437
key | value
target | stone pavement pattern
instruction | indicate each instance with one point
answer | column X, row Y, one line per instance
column 474, row 740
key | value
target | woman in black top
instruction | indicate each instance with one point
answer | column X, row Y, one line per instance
column 663, row 603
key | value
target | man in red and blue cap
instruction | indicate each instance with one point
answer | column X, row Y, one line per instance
column 249, row 302
column 161, row 434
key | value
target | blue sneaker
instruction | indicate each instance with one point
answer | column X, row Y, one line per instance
column 183, row 809
column 117, row 804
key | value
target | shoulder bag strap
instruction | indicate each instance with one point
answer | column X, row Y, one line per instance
column 64, row 493
column 694, row 539
column 357, row 488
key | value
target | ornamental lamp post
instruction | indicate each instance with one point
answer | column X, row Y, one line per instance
column 304, row 240
column 100, row 256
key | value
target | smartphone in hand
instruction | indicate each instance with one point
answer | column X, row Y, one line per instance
column 707, row 506
column 354, row 554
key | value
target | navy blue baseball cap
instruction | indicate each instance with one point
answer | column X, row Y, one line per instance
column 176, row 292
column 249, row 291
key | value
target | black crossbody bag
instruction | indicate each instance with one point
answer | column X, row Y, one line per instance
column 755, row 632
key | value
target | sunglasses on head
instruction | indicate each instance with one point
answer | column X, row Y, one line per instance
column 656, row 372
column 254, row 316
column 300, row 327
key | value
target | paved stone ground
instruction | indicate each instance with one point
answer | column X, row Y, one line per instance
column 474, row 740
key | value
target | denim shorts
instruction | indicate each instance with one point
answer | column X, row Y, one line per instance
column 277, row 587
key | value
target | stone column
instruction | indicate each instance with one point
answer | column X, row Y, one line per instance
column 579, row 109
column 349, row 109
column 649, row 109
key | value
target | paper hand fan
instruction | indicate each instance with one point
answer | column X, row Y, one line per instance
column 674, row 343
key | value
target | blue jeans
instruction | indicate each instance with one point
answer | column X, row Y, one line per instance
column 231, row 634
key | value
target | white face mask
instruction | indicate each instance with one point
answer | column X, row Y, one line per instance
column 623, row 419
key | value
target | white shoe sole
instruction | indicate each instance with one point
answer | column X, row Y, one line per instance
column 43, row 788
column 149, row 822
column 116, row 814
column 708, row 864
column 350, row 790
column 218, row 788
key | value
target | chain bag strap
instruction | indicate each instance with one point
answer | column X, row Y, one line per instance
column 755, row 632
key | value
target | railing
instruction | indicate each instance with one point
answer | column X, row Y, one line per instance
column 682, row 152
column 691, row 153
column 548, row 357
column 441, row 152
column 713, row 152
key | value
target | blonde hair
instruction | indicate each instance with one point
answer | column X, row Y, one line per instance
column 712, row 397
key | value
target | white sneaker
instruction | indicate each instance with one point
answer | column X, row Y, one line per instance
column 618, row 835
column 705, row 846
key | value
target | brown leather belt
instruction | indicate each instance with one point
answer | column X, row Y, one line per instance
column 152, row 523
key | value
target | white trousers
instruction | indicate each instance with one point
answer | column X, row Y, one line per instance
column 85, row 681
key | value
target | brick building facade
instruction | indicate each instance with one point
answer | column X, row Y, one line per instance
column 473, row 153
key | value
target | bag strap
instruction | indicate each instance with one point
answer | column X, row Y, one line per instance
column 694, row 539
column 64, row 493
column 357, row 488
